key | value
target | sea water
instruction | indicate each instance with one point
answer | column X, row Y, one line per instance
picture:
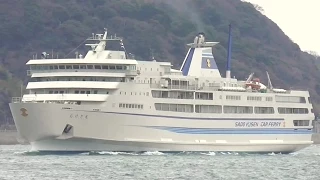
column 16, row 162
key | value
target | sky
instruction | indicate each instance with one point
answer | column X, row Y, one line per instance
column 298, row 19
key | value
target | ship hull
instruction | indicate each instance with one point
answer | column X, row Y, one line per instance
column 85, row 145
column 43, row 126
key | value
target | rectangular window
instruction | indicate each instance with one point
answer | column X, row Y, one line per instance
column 208, row 109
column 238, row 109
column 269, row 98
column 290, row 99
column 105, row 67
column 283, row 110
column 301, row 122
column 89, row 66
column 76, row 92
column 83, row 67
column 229, row 97
column 264, row 110
column 62, row 67
column 75, row 66
column 95, row 92
column 174, row 107
column 97, row 67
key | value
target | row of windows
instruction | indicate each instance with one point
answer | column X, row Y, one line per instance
column 76, row 92
column 76, row 66
column 174, row 107
column 208, row 109
column 204, row 96
column 199, row 95
column 290, row 99
column 226, row 109
column 301, row 122
column 135, row 93
column 229, row 97
column 254, row 98
column 103, row 79
column 172, row 94
column 136, row 106
column 283, row 110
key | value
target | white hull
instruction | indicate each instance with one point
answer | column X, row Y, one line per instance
column 131, row 146
column 103, row 131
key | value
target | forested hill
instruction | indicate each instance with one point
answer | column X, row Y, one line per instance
column 162, row 27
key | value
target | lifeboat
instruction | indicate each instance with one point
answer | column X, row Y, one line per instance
column 254, row 84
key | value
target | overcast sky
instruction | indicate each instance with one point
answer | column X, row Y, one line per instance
column 299, row 19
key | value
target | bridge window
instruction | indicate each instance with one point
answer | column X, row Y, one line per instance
column 97, row 66
column 112, row 67
column 83, row 67
column 301, row 122
column 68, row 66
column 89, row 66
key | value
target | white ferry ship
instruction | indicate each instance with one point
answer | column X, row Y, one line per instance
column 106, row 101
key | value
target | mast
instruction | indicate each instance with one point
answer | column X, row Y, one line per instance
column 228, row 72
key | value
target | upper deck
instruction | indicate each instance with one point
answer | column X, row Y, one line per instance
column 101, row 71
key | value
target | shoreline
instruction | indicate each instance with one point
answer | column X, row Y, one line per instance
column 9, row 137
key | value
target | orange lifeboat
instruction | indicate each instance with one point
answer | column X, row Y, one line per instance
column 254, row 84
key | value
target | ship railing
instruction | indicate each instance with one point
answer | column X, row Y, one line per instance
column 127, row 72
column 162, row 86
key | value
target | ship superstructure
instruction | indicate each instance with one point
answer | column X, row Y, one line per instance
column 108, row 101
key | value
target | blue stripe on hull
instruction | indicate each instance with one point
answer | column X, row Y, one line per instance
column 189, row 118
column 232, row 130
